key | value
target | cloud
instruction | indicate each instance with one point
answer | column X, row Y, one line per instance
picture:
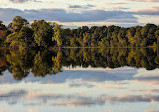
column 88, row 6
column 84, row 101
column 75, row 6
column 75, row 100
column 22, row 1
column 77, row 84
column 116, row 3
column 147, row 77
column 12, row 96
column 61, row 15
column 148, row 11
column 19, row 1
column 119, row 7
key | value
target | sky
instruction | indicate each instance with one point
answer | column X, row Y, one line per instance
column 74, row 13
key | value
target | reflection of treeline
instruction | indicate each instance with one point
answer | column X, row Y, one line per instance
column 40, row 63
column 112, row 58
column 40, row 33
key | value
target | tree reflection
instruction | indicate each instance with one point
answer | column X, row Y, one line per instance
column 41, row 63
column 57, row 62
column 20, row 63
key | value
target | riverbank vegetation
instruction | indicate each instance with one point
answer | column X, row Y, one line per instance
column 44, row 34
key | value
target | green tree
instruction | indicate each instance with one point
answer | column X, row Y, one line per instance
column 2, row 26
column 86, row 40
column 42, row 33
column 57, row 35
column 18, row 22
column 21, row 39
column 157, row 37
column 130, row 35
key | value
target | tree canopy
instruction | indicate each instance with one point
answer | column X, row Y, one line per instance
column 46, row 34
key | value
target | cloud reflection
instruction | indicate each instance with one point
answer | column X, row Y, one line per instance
column 84, row 89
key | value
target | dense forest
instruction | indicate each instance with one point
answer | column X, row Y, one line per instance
column 41, row 63
column 19, row 33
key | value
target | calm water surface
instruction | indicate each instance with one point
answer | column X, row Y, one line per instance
column 80, row 80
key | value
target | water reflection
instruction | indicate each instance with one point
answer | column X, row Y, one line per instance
column 86, row 80
column 40, row 63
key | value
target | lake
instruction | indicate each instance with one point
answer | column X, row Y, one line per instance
column 79, row 80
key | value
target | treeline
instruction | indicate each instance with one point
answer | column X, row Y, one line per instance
column 40, row 33
column 41, row 63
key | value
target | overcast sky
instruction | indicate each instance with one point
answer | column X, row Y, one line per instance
column 74, row 13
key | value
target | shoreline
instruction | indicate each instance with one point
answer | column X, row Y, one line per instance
column 51, row 48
